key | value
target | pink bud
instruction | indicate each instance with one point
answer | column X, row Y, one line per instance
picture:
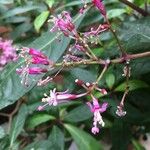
column 39, row 60
column 104, row 91
column 37, row 53
column 37, row 70
column 40, row 108
column 100, row 6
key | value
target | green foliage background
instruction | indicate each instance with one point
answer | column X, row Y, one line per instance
column 57, row 128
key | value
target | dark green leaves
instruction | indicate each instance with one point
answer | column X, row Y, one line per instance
column 133, row 85
column 38, row 119
column 83, row 139
column 121, row 135
column 78, row 114
column 56, row 138
column 136, row 35
column 18, row 124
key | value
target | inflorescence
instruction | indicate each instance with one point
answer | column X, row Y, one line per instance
column 35, row 63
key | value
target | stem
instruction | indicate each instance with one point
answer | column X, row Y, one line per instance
column 146, row 5
column 93, row 56
column 101, row 75
column 116, row 37
column 136, row 8
column 127, row 85
column 102, row 62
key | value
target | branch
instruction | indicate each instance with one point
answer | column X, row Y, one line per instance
column 136, row 8
column 102, row 62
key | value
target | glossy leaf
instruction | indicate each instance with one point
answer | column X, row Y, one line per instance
column 113, row 13
column 39, row 20
column 83, row 139
column 133, row 85
column 38, row 119
column 110, row 80
column 18, row 124
column 56, row 138
column 78, row 114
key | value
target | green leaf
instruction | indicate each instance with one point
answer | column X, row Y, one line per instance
column 121, row 135
column 137, row 145
column 56, row 138
column 18, row 10
column 18, row 124
column 78, row 114
column 115, row 12
column 38, row 119
column 2, row 132
column 110, row 80
column 50, row 2
column 39, row 20
column 6, row 2
column 39, row 145
column 133, row 85
column 136, row 35
column 4, row 143
column 83, row 140
column 10, row 87
column 19, row 30
column 83, row 74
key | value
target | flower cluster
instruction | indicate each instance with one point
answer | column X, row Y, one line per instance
column 77, row 53
column 32, row 57
column 63, row 23
column 7, row 52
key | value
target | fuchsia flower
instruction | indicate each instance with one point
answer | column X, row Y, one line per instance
column 99, row 4
column 36, row 53
column 39, row 60
column 54, row 98
column 32, row 56
column 64, row 23
column 7, row 52
column 97, row 109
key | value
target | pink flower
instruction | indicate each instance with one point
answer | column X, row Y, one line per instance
column 64, row 23
column 95, row 130
column 32, row 57
column 7, row 52
column 54, row 98
column 36, row 53
column 97, row 109
column 34, row 70
column 37, row 70
column 39, row 60
column 100, row 6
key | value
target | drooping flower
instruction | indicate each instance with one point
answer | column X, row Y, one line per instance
column 120, row 112
column 7, row 52
column 99, row 4
column 97, row 109
column 54, row 98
